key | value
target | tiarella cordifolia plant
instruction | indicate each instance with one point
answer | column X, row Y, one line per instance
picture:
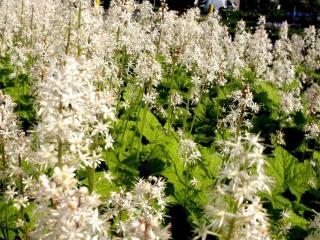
column 72, row 116
column 139, row 213
column 65, row 211
column 237, row 116
column 129, row 94
column 17, row 185
column 259, row 50
column 282, row 71
column 235, row 210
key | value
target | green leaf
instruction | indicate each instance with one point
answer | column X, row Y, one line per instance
column 298, row 221
column 280, row 202
column 271, row 91
column 287, row 172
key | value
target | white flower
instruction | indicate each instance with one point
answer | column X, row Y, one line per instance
column 194, row 182
column 20, row 202
column 189, row 152
column 108, row 176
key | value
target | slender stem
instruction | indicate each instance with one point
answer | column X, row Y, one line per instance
column 69, row 32
column 192, row 123
column 60, row 145
column 31, row 26
column 242, row 109
column 127, row 118
column 195, row 115
column 22, row 9
column 187, row 111
column 232, row 224
column 170, row 117
column 60, row 164
column 121, row 74
column 186, row 189
column 21, row 185
column 91, row 170
column 138, row 113
column 117, row 39
column 91, row 179
column 141, row 130
column 149, row 88
column 240, row 120
column 79, row 26
column 3, row 154
column 170, row 107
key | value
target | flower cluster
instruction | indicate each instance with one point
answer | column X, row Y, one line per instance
column 238, row 115
column 189, row 152
column 139, row 214
column 14, row 153
column 235, row 210
column 65, row 211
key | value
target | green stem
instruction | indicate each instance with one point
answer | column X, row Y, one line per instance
column 22, row 9
column 60, row 164
column 91, row 170
column 31, row 26
column 242, row 109
column 91, row 179
column 186, row 114
column 60, row 145
column 3, row 155
column 121, row 75
column 136, row 126
column 170, row 107
column 21, row 186
column 127, row 118
column 141, row 130
column 69, row 32
column 195, row 115
column 79, row 26
column 232, row 224
column 186, row 189
column 192, row 123
column 170, row 117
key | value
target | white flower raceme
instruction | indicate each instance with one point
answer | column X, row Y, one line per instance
column 238, row 115
column 315, row 226
column 312, row 130
column 189, row 152
column 296, row 49
column 65, row 211
column 14, row 147
column 312, row 96
column 259, row 54
column 237, row 50
column 235, row 211
column 140, row 212
column 312, row 45
column 71, row 113
column 282, row 71
column 148, row 71
column 290, row 102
